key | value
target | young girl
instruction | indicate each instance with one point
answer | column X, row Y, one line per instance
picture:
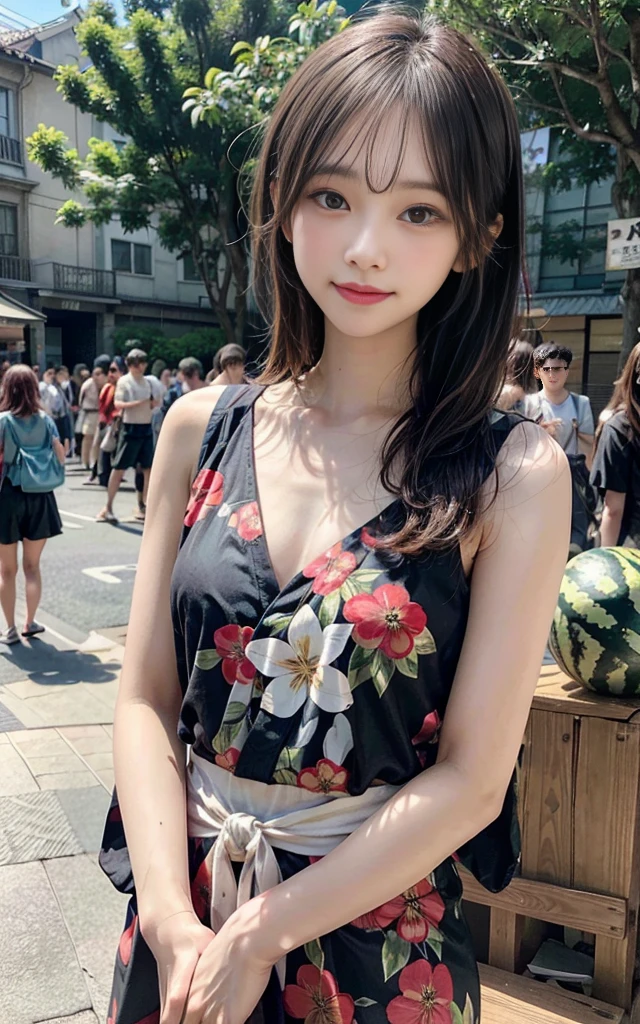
column 347, row 626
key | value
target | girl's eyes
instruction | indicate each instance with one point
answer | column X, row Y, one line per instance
column 420, row 210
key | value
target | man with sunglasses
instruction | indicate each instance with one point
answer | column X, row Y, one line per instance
column 568, row 417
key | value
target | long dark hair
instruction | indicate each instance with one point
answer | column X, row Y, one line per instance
column 625, row 397
column 412, row 64
column 20, row 394
column 519, row 368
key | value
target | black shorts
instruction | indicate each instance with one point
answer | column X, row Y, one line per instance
column 135, row 446
column 27, row 516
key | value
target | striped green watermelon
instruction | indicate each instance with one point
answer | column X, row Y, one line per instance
column 595, row 636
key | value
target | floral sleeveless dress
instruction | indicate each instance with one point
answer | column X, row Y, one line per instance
column 354, row 696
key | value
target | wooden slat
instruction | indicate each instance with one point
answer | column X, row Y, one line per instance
column 556, row 691
column 606, row 838
column 545, row 798
column 505, row 937
column 507, row 998
column 586, row 911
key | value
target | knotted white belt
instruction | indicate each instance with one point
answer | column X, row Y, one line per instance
column 248, row 818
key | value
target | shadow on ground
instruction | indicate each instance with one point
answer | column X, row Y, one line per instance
column 46, row 665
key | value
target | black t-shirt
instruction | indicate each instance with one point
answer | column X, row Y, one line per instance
column 616, row 467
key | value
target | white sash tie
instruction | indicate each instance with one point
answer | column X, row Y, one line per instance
column 249, row 818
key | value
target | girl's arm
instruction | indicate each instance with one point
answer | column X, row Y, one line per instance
column 149, row 759
column 515, row 584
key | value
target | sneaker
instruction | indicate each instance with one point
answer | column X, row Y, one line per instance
column 10, row 636
column 32, row 628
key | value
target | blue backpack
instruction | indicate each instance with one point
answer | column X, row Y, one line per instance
column 39, row 470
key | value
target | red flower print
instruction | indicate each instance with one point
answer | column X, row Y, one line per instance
column 206, row 491
column 126, row 942
column 230, row 642
column 247, row 521
column 229, row 759
column 429, row 729
column 414, row 910
column 316, row 999
column 326, row 777
column 386, row 619
column 330, row 570
column 201, row 891
column 368, row 538
column 427, row 993
column 113, row 1014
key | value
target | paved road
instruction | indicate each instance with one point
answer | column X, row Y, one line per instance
column 77, row 588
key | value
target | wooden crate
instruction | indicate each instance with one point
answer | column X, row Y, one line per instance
column 579, row 808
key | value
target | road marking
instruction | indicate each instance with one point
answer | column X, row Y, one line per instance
column 76, row 515
column 104, row 573
column 71, row 526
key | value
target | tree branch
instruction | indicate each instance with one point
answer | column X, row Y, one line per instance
column 582, row 133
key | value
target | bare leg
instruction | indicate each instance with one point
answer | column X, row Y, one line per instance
column 8, row 573
column 31, row 552
column 145, row 490
column 87, row 441
column 115, row 479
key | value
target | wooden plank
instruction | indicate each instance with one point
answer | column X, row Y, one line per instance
column 586, row 911
column 606, row 859
column 545, row 798
column 505, row 937
column 507, row 998
column 556, row 691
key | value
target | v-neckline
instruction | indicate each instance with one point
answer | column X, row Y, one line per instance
column 282, row 588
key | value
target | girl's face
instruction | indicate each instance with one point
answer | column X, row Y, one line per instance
column 401, row 241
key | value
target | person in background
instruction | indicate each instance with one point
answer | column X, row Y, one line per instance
column 165, row 378
column 108, row 415
column 191, row 378
column 158, row 367
column 63, row 417
column 229, row 363
column 36, row 370
column 28, row 517
column 48, row 392
column 519, row 379
column 136, row 397
column 88, row 417
column 616, row 466
column 80, row 374
column 568, row 418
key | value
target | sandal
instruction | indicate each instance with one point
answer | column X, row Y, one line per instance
column 33, row 628
column 106, row 517
column 10, row 636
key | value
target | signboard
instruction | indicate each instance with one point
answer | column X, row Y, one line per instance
column 623, row 244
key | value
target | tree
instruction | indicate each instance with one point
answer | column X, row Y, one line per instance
column 176, row 173
column 572, row 64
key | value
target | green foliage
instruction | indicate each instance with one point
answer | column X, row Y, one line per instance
column 201, row 342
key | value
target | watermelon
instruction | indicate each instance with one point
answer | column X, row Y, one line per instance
column 595, row 635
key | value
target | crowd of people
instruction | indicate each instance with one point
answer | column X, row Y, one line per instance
column 604, row 458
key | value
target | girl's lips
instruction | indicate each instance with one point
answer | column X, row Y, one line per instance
column 361, row 298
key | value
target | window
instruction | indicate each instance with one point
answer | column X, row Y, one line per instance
column 8, row 230
column 119, row 144
column 7, row 126
column 189, row 269
column 127, row 261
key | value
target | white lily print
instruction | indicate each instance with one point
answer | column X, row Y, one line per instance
column 302, row 668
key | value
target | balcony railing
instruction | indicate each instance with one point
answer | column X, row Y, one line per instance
column 10, row 150
column 84, row 280
column 15, row 268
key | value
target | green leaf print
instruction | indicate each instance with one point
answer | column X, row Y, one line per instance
column 231, row 726
column 206, row 660
column 424, row 642
column 468, row 1016
column 382, row 669
column 435, row 939
column 286, row 777
column 329, row 609
column 360, row 665
column 365, row 1001
column 360, row 581
column 456, row 1016
column 409, row 665
column 277, row 623
column 314, row 953
column 395, row 954
column 290, row 757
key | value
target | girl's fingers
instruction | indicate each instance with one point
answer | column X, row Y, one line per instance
column 176, row 991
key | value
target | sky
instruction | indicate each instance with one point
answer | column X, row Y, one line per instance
column 35, row 10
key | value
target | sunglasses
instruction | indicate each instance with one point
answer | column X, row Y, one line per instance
column 554, row 369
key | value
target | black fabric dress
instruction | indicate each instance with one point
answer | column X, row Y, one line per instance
column 392, row 672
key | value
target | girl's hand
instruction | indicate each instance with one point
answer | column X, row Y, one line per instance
column 177, row 944
column 228, row 981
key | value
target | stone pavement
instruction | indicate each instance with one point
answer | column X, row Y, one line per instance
column 60, row 917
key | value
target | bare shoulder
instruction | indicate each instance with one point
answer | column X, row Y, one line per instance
column 186, row 421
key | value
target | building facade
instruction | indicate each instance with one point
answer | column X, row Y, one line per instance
column 75, row 284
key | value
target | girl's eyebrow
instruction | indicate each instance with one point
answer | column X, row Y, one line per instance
column 338, row 170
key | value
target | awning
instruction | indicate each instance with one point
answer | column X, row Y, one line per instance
column 14, row 312
column 577, row 304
